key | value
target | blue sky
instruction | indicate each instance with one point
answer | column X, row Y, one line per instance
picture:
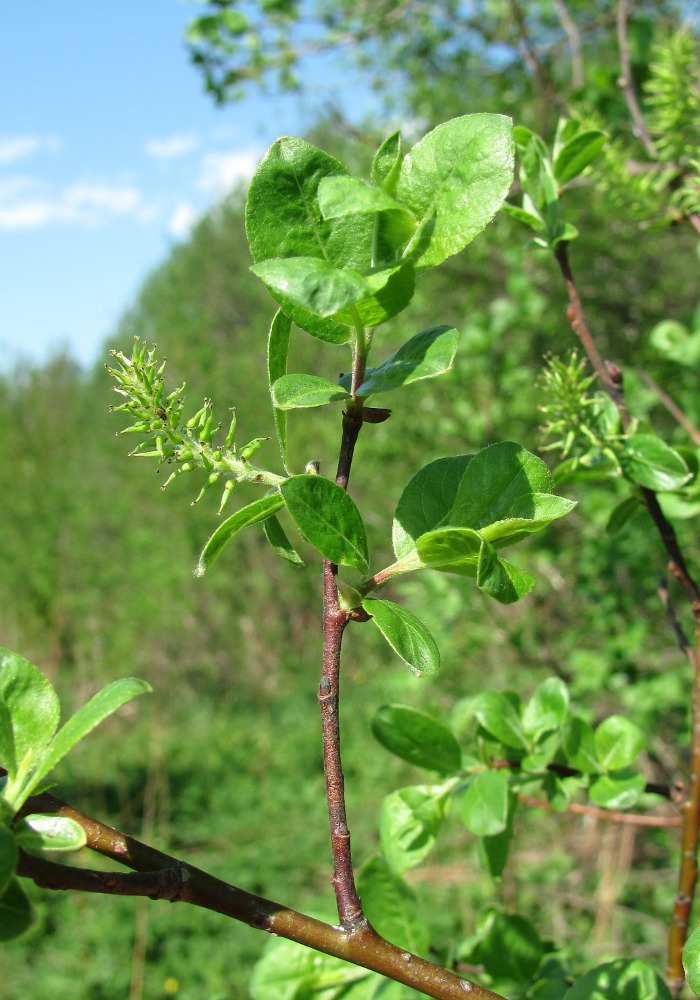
column 109, row 149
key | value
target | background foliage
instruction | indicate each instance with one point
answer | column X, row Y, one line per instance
column 96, row 577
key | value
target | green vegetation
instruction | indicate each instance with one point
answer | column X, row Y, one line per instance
column 222, row 764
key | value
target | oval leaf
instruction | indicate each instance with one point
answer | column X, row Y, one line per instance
column 428, row 354
column 616, row 791
column 298, row 391
column 313, row 284
column 328, row 518
column 618, row 742
column 485, row 804
column 497, row 714
column 648, row 461
column 426, row 501
column 624, row 979
column 410, row 821
column 417, row 738
column 391, row 906
column 251, row 514
column 454, row 181
column 406, row 635
column 50, row 833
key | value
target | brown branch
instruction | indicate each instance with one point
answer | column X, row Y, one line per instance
column 635, row 819
column 690, row 811
column 672, row 407
column 680, row 635
column 564, row 771
column 626, row 84
column 363, row 947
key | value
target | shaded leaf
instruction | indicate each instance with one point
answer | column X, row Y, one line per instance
column 499, row 483
column 277, row 352
column 579, row 745
column 391, row 906
column 8, row 858
column 427, row 355
column 277, row 537
column 250, row 514
column 497, row 714
column 410, row 821
column 547, row 708
column 624, row 979
column 577, row 154
column 426, row 501
column 417, row 738
column 16, row 914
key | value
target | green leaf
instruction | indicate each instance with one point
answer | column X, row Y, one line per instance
column 426, row 501
column 250, row 514
column 33, row 711
column 98, row 708
column 617, row 790
column 621, row 514
column 675, row 342
column 391, row 906
column 691, row 961
column 494, row 850
column 500, row 579
column 427, row 355
column 277, row 537
column 451, row 550
column 386, row 165
column 648, row 461
column 387, row 292
column 577, row 154
column 548, row 707
column 298, row 391
column 624, row 979
column 579, row 746
column 618, row 742
column 410, row 821
column 277, row 353
column 485, row 803
column 283, row 220
column 498, row 715
column 545, row 508
column 500, row 482
column 406, row 635
column 510, row 949
column 528, row 218
column 342, row 195
column 39, row 832
column 417, row 738
column 314, row 284
column 291, row 971
column 16, row 914
column 328, row 518
column 8, row 858
column 454, row 181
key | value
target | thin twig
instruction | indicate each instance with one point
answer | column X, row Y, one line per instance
column 363, row 947
column 688, row 874
column 564, row 771
column 672, row 407
column 626, row 83
column 676, row 626
column 635, row 819
column 574, row 36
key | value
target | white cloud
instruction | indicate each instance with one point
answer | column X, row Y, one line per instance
column 17, row 147
column 26, row 204
column 172, row 145
column 221, row 171
column 183, row 219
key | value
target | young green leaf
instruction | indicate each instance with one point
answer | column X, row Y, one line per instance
column 32, row 711
column 277, row 537
column 577, row 154
column 49, row 833
column 277, row 353
column 250, row 514
column 454, row 181
column 485, row 803
column 16, row 913
column 691, row 961
column 283, row 220
column 547, row 708
column 500, row 482
column 500, row 714
column 648, row 461
column 410, row 821
column 328, row 518
column 617, row 790
column 618, row 742
column 406, row 635
column 427, row 355
column 342, row 195
column 417, row 738
column 544, row 507
column 386, row 165
column 499, row 578
column 388, row 290
column 426, row 501
column 451, row 550
column 299, row 391
column 509, row 948
column 494, row 850
column 314, row 284
column 579, row 745
column 98, row 708
column 391, row 906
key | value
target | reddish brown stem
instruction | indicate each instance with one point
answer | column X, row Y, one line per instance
column 585, row 809
column 363, row 947
column 688, row 874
